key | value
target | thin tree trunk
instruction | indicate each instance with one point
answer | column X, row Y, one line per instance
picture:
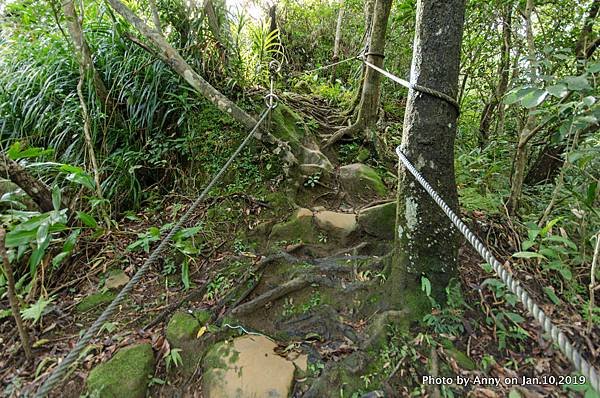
column 427, row 244
column 172, row 58
column 586, row 39
column 371, row 88
column 155, row 16
column 495, row 102
column 36, row 189
column 337, row 40
column 82, row 50
column 12, row 298
column 520, row 161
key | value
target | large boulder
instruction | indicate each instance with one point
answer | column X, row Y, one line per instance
column 379, row 221
column 298, row 227
column 126, row 374
column 246, row 367
column 361, row 182
column 337, row 225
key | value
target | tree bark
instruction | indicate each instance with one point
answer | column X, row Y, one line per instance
column 155, row 16
column 337, row 40
column 371, row 88
column 82, row 50
column 586, row 37
column 36, row 189
column 427, row 244
column 172, row 58
column 521, row 153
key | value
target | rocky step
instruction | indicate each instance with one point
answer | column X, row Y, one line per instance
column 309, row 225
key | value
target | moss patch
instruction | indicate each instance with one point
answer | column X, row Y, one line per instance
column 299, row 227
column 94, row 300
column 125, row 375
column 182, row 328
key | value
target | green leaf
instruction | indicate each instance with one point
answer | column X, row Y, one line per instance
column 516, row 318
column 534, row 98
column 185, row 274
column 528, row 255
column 87, row 219
column 589, row 100
column 550, row 293
column 56, row 197
column 593, row 67
column 557, row 238
column 527, row 244
column 42, row 233
column 426, row 286
column 558, row 90
column 35, row 311
column 577, row 83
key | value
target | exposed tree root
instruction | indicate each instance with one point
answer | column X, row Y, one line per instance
column 351, row 130
column 291, row 286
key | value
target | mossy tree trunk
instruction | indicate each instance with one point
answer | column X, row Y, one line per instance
column 371, row 88
column 426, row 242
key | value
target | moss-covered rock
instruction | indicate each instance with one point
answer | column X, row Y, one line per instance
column 182, row 328
column 361, row 182
column 299, row 227
column 379, row 221
column 95, row 300
column 126, row 374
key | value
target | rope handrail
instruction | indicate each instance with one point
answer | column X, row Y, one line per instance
column 413, row 86
column 557, row 335
column 73, row 356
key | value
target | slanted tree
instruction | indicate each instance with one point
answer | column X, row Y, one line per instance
column 371, row 88
column 173, row 58
column 426, row 243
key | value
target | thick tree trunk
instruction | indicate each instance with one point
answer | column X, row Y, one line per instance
column 337, row 40
column 521, row 153
column 36, row 189
column 172, row 58
column 427, row 244
column 82, row 50
column 371, row 88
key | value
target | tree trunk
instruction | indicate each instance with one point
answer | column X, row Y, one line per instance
column 82, row 50
column 520, row 160
column 427, row 243
column 13, row 299
column 172, row 58
column 495, row 102
column 36, row 189
column 371, row 88
column 336, row 41
column 586, row 44
column 155, row 16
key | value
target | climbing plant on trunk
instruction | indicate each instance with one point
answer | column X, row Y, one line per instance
column 426, row 243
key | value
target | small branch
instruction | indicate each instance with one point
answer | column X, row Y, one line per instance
column 593, row 282
column 12, row 297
